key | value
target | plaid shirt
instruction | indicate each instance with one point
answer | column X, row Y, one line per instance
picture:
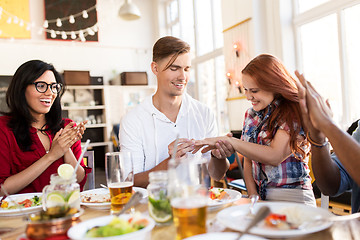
column 292, row 172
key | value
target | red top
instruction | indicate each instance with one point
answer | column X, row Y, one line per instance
column 13, row 160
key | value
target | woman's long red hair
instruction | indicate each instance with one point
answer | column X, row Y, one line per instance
column 271, row 75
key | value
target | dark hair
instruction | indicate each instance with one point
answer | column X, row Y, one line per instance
column 167, row 46
column 19, row 113
column 270, row 74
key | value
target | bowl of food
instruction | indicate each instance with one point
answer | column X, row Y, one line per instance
column 124, row 227
column 43, row 225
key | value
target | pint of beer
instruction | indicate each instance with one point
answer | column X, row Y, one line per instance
column 120, row 193
column 120, row 179
column 189, row 216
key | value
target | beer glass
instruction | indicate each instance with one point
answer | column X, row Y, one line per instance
column 119, row 177
column 188, row 182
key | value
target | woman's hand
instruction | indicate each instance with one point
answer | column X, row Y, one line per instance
column 63, row 140
column 184, row 146
column 210, row 143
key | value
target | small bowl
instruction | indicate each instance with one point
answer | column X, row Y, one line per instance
column 43, row 229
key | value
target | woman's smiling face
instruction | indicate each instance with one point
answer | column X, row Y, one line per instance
column 258, row 97
column 40, row 103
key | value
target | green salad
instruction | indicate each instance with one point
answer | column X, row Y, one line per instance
column 118, row 226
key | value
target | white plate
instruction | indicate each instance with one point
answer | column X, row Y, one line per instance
column 217, row 204
column 22, row 211
column 78, row 231
column 106, row 205
column 234, row 218
column 223, row 236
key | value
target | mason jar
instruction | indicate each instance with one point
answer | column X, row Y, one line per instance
column 61, row 195
column 158, row 200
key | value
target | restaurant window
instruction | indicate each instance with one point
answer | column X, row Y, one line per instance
column 328, row 50
column 199, row 24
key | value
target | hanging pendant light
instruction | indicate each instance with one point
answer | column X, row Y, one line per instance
column 129, row 11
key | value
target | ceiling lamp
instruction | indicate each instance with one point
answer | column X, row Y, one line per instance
column 129, row 11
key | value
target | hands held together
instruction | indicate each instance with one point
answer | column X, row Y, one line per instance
column 219, row 146
column 66, row 137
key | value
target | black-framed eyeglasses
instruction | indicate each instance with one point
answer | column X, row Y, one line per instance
column 42, row 87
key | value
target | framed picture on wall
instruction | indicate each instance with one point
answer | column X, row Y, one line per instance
column 69, row 19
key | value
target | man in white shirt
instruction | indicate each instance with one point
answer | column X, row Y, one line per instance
column 150, row 129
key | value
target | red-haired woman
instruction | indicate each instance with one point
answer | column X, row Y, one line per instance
column 273, row 142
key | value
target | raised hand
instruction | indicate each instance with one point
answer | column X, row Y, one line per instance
column 315, row 111
column 184, row 146
column 63, row 140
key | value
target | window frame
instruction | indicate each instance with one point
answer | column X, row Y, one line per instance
column 331, row 7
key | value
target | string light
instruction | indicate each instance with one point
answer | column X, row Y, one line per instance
column 58, row 22
column 85, row 14
column 46, row 24
column 72, row 19
column 81, row 33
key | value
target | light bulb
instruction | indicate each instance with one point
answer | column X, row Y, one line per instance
column 46, row 24
column 85, row 14
column 16, row 20
column 81, row 34
column 63, row 35
column 52, row 34
column 237, row 83
column 228, row 74
column 9, row 20
column 90, row 31
column 73, row 35
column 58, row 22
column 21, row 23
column 71, row 19
column 235, row 46
column 28, row 27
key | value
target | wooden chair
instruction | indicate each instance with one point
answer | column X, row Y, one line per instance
column 89, row 161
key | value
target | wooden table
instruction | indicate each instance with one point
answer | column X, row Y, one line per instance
column 338, row 231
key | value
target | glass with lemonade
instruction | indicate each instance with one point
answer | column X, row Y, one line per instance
column 188, row 181
column 120, row 178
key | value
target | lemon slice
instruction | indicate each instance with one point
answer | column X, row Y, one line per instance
column 54, row 199
column 74, row 197
column 159, row 216
column 65, row 171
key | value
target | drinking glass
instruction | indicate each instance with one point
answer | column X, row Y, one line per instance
column 188, row 182
column 119, row 177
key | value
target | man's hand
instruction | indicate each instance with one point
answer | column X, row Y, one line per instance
column 184, row 146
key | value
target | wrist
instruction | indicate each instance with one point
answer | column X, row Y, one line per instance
column 317, row 143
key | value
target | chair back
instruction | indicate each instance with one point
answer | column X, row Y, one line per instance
column 89, row 161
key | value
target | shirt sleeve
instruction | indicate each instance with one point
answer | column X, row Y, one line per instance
column 346, row 182
column 130, row 140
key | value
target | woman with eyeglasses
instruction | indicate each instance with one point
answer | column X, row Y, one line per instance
column 34, row 139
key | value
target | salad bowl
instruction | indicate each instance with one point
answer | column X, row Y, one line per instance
column 79, row 231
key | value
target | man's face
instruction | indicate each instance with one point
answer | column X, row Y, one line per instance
column 174, row 79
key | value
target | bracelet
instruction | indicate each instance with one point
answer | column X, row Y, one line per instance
column 315, row 144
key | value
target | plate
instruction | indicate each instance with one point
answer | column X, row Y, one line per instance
column 22, row 211
column 235, row 218
column 79, row 230
column 217, row 204
column 106, row 205
column 223, row 236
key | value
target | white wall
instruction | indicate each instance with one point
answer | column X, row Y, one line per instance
column 122, row 46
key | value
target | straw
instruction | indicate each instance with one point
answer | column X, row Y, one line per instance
column 81, row 156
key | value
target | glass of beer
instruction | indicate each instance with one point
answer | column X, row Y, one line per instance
column 120, row 178
column 188, row 181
